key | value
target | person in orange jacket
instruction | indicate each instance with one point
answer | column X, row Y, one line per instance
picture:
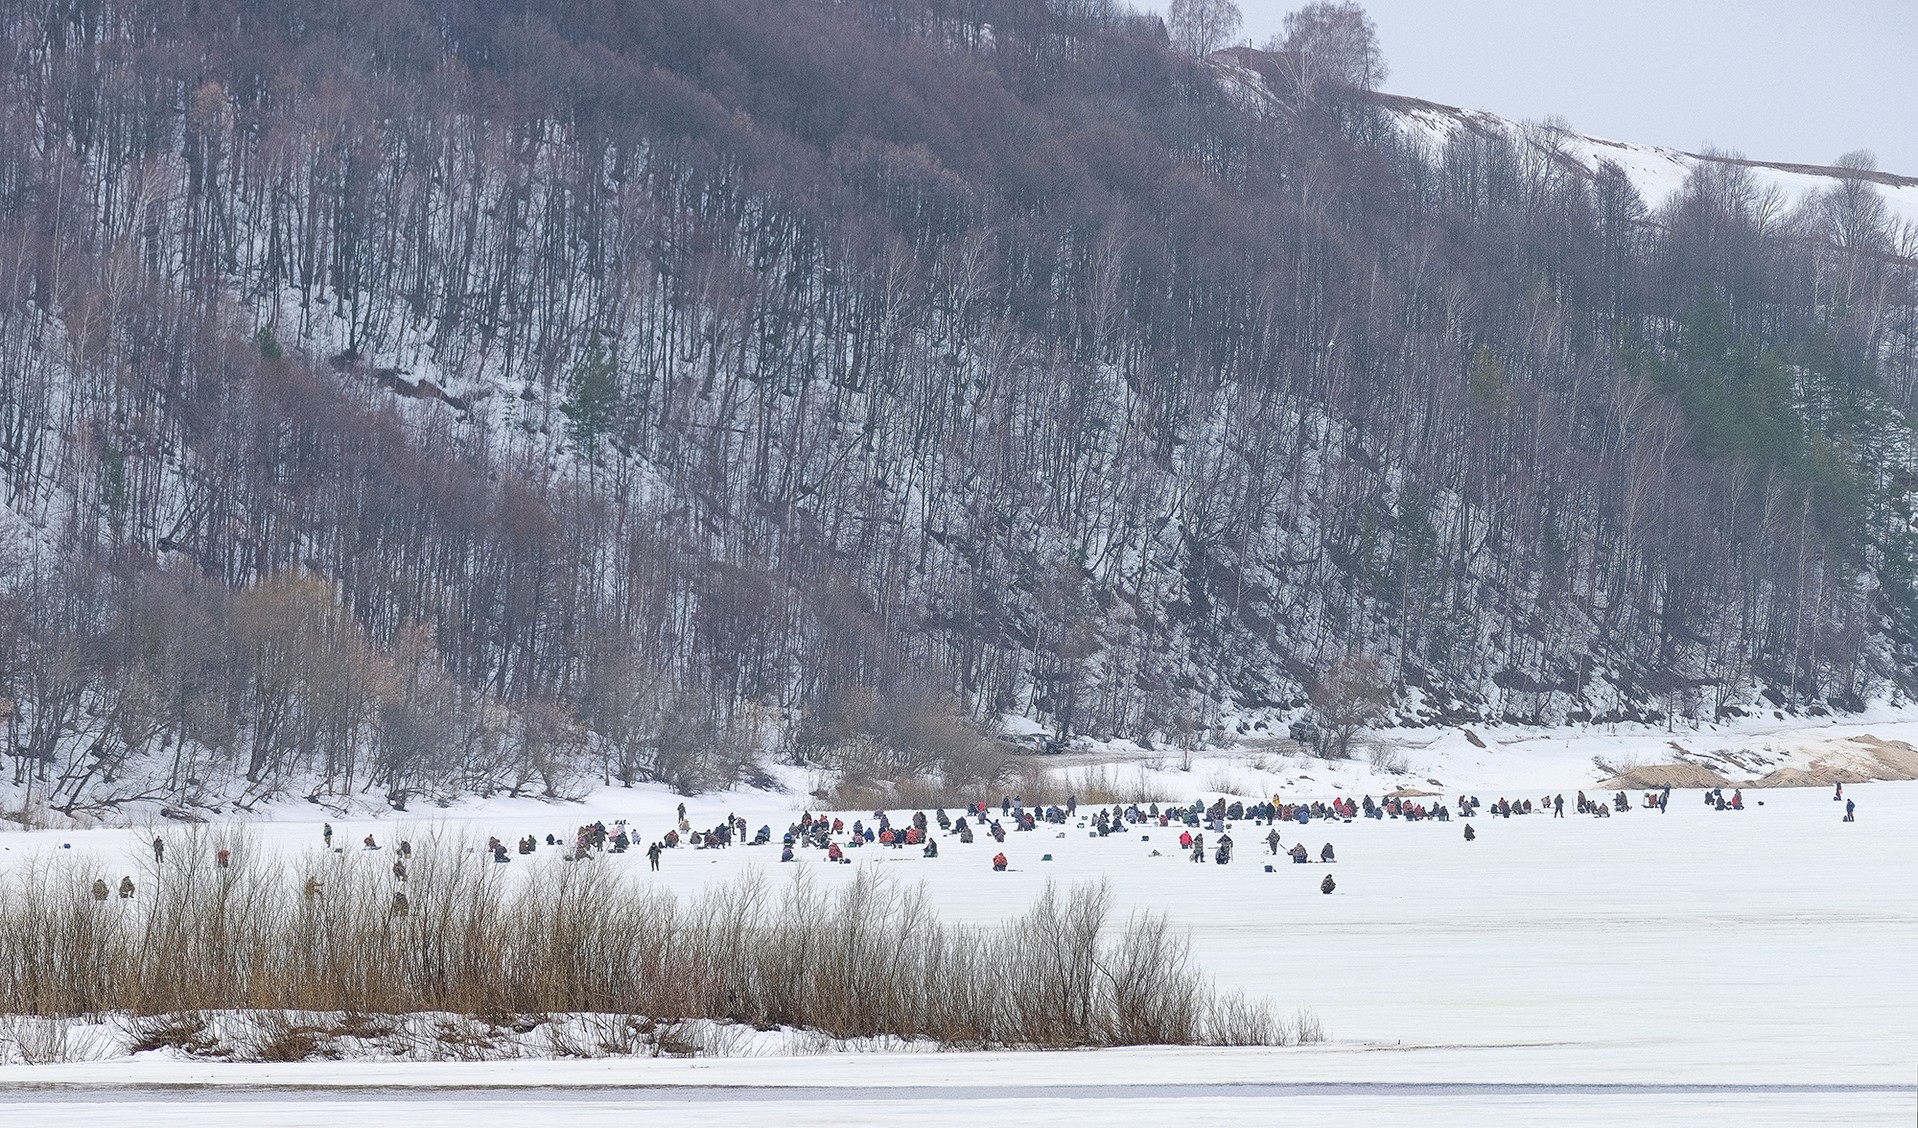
column 998, row 863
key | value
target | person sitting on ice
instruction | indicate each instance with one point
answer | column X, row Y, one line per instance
column 1299, row 855
column 400, row 905
column 1738, row 799
column 932, row 848
column 1328, row 884
column 369, row 844
column 965, row 831
column 999, row 863
column 786, row 852
column 100, row 890
column 1325, row 855
column 1469, row 832
column 834, row 853
column 1185, row 840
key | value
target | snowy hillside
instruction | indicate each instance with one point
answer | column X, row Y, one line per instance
column 1658, row 173
column 415, row 406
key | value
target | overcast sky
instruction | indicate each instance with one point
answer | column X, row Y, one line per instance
column 1782, row 80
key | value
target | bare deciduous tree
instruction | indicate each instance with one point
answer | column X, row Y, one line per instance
column 1334, row 43
column 1200, row 27
column 1353, row 693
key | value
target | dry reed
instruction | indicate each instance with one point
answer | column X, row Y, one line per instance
column 870, row 959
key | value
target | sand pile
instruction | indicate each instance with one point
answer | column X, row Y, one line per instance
column 1857, row 760
column 1652, row 777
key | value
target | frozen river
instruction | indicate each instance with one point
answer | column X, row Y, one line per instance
column 1695, row 966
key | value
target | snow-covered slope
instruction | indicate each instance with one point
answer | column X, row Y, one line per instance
column 1657, row 172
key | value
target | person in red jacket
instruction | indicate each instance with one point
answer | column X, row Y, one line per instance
column 999, row 863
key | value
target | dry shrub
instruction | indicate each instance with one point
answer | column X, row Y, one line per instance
column 1035, row 783
column 187, row 1031
column 582, row 938
column 27, row 1040
column 283, row 1036
column 1307, row 1030
column 1223, row 782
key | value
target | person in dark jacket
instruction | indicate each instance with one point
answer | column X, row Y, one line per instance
column 1272, row 841
column 652, row 855
column 1469, row 834
column 1325, row 855
column 1328, row 884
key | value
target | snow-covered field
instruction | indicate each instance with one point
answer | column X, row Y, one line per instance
column 1695, row 966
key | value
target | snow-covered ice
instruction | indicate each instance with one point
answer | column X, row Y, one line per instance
column 1694, row 966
